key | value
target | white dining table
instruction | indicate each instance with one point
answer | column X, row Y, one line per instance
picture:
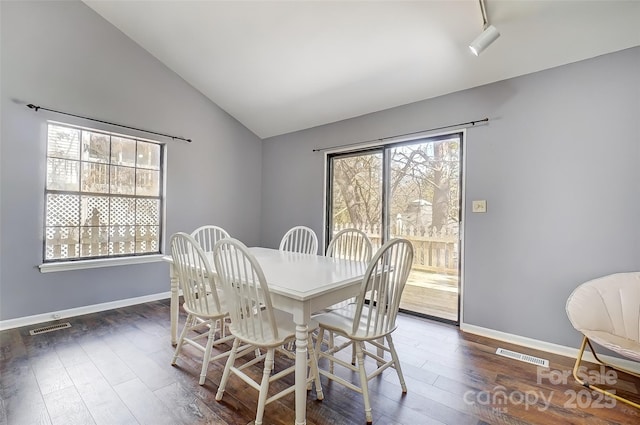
column 300, row 284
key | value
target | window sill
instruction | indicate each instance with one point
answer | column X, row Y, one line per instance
column 97, row 263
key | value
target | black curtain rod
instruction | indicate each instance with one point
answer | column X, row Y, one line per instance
column 36, row 108
column 462, row 124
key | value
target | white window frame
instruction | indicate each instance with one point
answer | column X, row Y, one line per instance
column 65, row 264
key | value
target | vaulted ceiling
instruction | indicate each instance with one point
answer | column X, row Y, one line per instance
column 282, row 66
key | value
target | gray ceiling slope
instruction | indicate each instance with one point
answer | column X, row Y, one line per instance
column 283, row 66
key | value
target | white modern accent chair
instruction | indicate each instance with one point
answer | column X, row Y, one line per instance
column 371, row 320
column 208, row 235
column 254, row 321
column 607, row 311
column 300, row 239
column 205, row 314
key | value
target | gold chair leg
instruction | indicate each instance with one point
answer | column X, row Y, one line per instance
column 592, row 387
column 620, row 368
column 576, row 366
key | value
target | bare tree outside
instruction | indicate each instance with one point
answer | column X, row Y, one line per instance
column 422, row 179
column 423, row 202
column 423, row 185
column 357, row 190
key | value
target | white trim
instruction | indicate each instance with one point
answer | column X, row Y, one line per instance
column 100, row 262
column 462, row 226
column 162, row 198
column 547, row 346
column 95, row 308
column 325, row 213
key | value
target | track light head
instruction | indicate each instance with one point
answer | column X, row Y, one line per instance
column 488, row 36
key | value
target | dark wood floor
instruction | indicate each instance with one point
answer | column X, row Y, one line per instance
column 114, row 368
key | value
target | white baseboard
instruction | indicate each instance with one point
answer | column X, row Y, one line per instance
column 547, row 346
column 62, row 314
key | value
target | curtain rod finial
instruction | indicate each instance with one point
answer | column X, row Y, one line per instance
column 32, row 106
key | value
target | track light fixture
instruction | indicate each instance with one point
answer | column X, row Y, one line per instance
column 483, row 41
column 488, row 35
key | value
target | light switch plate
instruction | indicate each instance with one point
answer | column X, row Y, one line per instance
column 479, row 206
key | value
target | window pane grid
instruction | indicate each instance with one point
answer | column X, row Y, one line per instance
column 103, row 195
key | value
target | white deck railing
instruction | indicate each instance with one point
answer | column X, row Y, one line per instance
column 433, row 251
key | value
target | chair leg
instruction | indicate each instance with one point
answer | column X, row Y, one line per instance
column 592, row 387
column 313, row 369
column 319, row 340
column 363, row 381
column 187, row 325
column 207, row 354
column 602, row 362
column 227, row 369
column 353, row 354
column 264, row 385
column 576, row 366
column 396, row 363
column 380, row 351
column 330, row 346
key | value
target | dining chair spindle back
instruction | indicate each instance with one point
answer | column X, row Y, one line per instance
column 350, row 244
column 300, row 239
column 208, row 235
column 206, row 310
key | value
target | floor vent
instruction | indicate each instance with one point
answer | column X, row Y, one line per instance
column 51, row 328
column 522, row 357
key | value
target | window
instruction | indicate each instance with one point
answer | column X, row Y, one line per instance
column 103, row 195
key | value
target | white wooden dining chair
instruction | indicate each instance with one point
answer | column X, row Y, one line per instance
column 300, row 239
column 351, row 244
column 208, row 235
column 254, row 321
column 371, row 320
column 205, row 314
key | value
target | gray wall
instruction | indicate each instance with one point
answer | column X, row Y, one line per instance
column 63, row 56
column 558, row 164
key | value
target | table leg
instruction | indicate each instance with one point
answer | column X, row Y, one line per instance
column 301, row 373
column 175, row 304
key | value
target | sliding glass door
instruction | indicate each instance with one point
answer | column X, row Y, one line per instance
column 411, row 190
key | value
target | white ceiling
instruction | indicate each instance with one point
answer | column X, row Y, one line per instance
column 282, row 66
